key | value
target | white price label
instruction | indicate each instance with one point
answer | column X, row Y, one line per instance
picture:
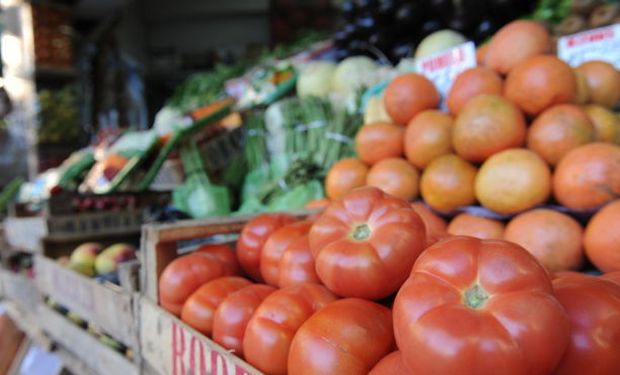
column 443, row 67
column 596, row 44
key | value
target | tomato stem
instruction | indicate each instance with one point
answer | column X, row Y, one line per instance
column 475, row 297
column 361, row 232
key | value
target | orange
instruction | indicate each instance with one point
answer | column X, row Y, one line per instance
column 344, row 176
column 606, row 123
column 512, row 181
column 558, row 130
column 396, row 177
column 540, row 82
column 435, row 225
column 476, row 226
column 588, row 176
column 583, row 92
column 481, row 53
column 554, row 238
column 407, row 95
column 375, row 142
column 486, row 125
column 472, row 82
column 448, row 183
column 515, row 42
column 428, row 136
column 602, row 238
column 603, row 82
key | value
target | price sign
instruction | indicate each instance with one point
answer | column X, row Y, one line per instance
column 596, row 44
column 443, row 67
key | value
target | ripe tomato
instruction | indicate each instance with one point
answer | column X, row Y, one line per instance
column 234, row 313
column 271, row 329
column 224, row 253
column 365, row 244
column 479, row 307
column 593, row 306
column 612, row 276
column 297, row 264
column 253, row 237
column 346, row 337
column 199, row 309
column 275, row 246
column 184, row 275
column 391, row 364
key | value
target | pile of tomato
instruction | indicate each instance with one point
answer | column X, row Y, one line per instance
column 360, row 288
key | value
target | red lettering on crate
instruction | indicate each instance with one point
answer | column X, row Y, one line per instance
column 596, row 36
column 178, row 349
column 444, row 60
column 192, row 356
column 241, row 371
column 218, row 363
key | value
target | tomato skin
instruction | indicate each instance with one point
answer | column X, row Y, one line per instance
column 252, row 239
column 275, row 246
column 372, row 266
column 233, row 314
column 271, row 329
column 348, row 336
column 297, row 264
column 593, row 306
column 184, row 275
column 479, row 307
column 199, row 309
column 612, row 276
column 391, row 364
column 224, row 253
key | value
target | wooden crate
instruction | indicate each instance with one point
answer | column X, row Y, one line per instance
column 101, row 359
column 26, row 321
column 173, row 348
column 20, row 289
column 106, row 305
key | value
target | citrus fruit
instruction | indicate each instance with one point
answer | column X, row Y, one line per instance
column 448, row 183
column 396, row 177
column 428, row 136
column 407, row 95
column 486, row 125
column 583, row 92
column 375, row 142
column 472, row 82
column 466, row 224
column 603, row 82
column 512, row 181
column 606, row 123
column 344, row 176
column 602, row 238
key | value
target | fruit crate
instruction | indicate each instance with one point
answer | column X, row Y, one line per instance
column 58, row 219
column 173, row 348
column 19, row 288
column 97, row 356
column 104, row 304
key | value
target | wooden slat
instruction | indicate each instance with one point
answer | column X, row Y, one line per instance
column 72, row 363
column 20, row 289
column 172, row 348
column 106, row 305
column 98, row 357
column 27, row 322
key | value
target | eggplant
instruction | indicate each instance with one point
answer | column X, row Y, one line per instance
column 402, row 50
column 387, row 11
column 367, row 5
column 348, row 10
column 431, row 25
column 341, row 38
column 486, row 28
column 381, row 39
column 356, row 47
column 462, row 22
column 365, row 25
column 441, row 8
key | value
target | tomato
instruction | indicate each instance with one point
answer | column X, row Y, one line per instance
column 224, row 253
column 612, row 276
column 271, row 329
column 234, row 313
column 199, row 309
column 253, row 237
column 593, row 306
column 479, row 307
column 391, row 364
column 365, row 244
column 185, row 274
column 348, row 336
column 275, row 246
column 297, row 264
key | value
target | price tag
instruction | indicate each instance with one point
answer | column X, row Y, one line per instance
column 596, row 44
column 443, row 67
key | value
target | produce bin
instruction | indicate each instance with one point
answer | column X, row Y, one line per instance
column 20, row 289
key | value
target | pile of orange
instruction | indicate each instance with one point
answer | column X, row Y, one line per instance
column 523, row 129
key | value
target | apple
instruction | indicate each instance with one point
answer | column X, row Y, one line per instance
column 108, row 260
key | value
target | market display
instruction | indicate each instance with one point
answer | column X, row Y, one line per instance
column 432, row 190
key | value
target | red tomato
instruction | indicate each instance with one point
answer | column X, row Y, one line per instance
column 253, row 237
column 391, row 364
column 224, row 253
column 185, row 274
column 234, row 313
column 271, row 329
column 199, row 309
column 593, row 306
column 348, row 336
column 365, row 244
column 297, row 264
column 612, row 276
column 275, row 246
column 479, row 307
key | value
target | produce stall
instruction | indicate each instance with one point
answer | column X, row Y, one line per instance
column 429, row 187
